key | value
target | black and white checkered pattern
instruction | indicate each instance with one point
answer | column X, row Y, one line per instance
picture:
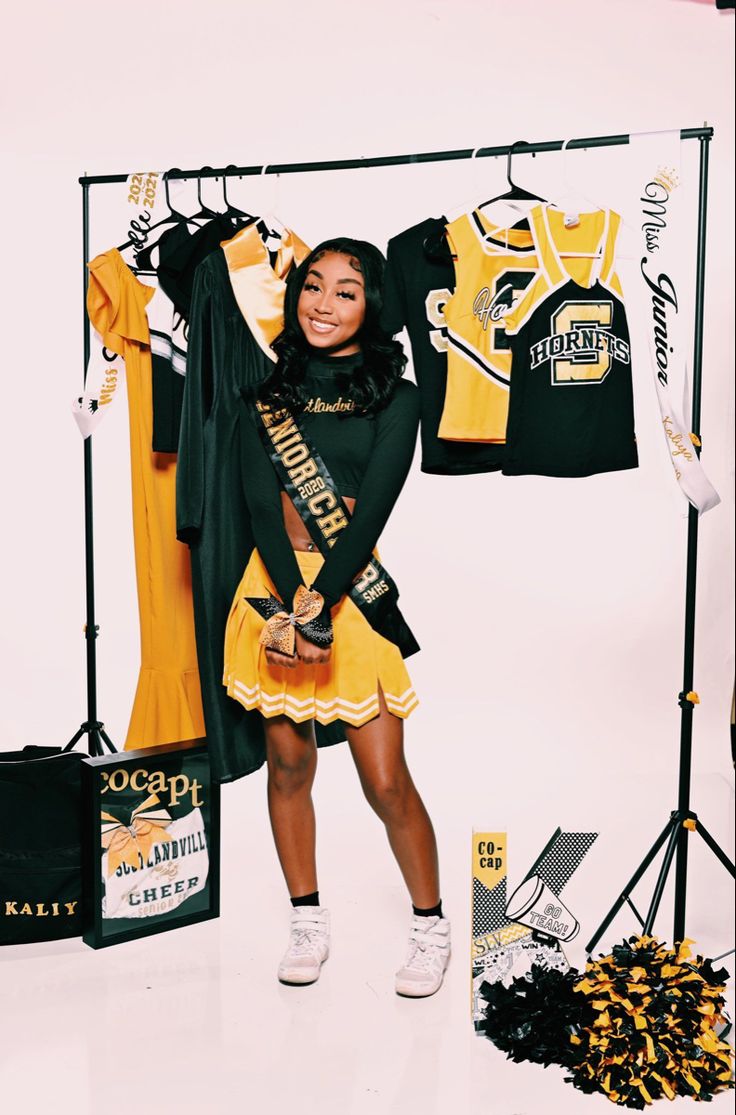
column 489, row 907
column 560, row 863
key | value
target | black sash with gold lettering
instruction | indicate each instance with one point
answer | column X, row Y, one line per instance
column 306, row 480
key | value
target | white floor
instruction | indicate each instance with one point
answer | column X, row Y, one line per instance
column 195, row 1019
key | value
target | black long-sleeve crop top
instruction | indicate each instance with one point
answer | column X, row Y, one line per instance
column 368, row 457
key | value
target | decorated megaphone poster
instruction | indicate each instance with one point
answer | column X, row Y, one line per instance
column 533, row 904
column 510, row 935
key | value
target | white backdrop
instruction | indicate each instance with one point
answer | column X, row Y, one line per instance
column 563, row 708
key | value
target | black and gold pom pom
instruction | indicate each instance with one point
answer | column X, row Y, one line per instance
column 637, row 1025
column 654, row 1032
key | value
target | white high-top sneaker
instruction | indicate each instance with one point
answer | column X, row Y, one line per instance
column 309, row 945
column 427, row 958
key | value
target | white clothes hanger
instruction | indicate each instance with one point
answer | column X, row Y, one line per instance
column 270, row 219
column 573, row 203
column 571, row 197
column 569, row 203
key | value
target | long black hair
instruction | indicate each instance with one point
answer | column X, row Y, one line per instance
column 371, row 384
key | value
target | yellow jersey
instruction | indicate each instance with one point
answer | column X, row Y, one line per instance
column 493, row 267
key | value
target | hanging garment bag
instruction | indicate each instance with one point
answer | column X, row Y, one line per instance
column 40, row 853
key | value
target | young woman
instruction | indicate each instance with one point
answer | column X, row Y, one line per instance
column 326, row 448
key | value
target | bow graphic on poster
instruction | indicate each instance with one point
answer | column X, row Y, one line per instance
column 131, row 843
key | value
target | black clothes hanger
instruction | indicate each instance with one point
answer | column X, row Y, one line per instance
column 172, row 211
column 204, row 210
column 230, row 209
column 143, row 253
column 514, row 193
column 435, row 245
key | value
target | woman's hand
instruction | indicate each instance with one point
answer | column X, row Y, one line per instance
column 306, row 652
column 309, row 653
column 276, row 658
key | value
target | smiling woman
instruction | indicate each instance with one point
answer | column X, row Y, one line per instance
column 315, row 632
column 331, row 305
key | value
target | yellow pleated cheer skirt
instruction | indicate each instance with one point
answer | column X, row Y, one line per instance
column 345, row 688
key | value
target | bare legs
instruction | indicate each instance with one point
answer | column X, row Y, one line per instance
column 378, row 750
column 292, row 762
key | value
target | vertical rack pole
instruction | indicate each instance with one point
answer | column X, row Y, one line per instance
column 90, row 629
column 91, row 727
column 687, row 707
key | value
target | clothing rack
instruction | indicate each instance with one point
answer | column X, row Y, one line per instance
column 682, row 820
column 519, row 148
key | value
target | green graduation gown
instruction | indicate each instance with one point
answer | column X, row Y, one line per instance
column 229, row 340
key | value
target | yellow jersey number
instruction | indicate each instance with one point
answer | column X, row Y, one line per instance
column 581, row 327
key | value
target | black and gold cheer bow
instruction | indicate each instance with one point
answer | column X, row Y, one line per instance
column 279, row 632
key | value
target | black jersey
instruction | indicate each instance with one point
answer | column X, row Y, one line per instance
column 420, row 278
column 571, row 410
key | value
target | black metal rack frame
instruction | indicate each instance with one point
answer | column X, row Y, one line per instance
column 682, row 820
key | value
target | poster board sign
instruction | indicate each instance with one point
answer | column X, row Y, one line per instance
column 151, row 842
column 499, row 947
column 510, row 934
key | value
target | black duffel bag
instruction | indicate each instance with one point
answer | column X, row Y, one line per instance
column 40, row 845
